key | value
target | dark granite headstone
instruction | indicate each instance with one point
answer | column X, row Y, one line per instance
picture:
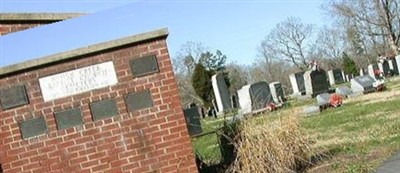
column 300, row 81
column 234, row 101
column 33, row 127
column 103, row 109
column 338, row 76
column 192, row 117
column 13, row 97
column 386, row 67
column 68, row 118
column 139, row 100
column 316, row 82
column 260, row 95
column 144, row 66
column 395, row 68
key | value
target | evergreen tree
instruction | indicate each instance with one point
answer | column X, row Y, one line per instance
column 349, row 66
column 201, row 82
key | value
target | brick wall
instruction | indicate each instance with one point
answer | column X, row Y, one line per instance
column 7, row 27
column 152, row 140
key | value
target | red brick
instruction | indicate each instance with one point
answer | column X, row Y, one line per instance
column 140, row 141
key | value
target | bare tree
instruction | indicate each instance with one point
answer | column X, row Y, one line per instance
column 376, row 21
column 289, row 41
column 184, row 64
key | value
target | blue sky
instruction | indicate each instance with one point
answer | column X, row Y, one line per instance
column 234, row 27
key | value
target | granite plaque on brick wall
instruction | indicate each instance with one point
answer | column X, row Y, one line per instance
column 69, row 118
column 103, row 109
column 33, row 127
column 144, row 66
column 13, row 97
column 139, row 100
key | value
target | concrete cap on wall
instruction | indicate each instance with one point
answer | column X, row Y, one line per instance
column 70, row 55
column 10, row 17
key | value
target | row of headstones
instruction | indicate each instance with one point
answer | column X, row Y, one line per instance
column 312, row 82
column 388, row 67
column 249, row 98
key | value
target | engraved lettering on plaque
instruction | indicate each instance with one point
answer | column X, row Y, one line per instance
column 139, row 100
column 103, row 109
column 78, row 81
column 33, row 127
column 13, row 97
column 144, row 66
column 69, row 118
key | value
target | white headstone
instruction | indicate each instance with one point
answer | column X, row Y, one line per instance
column 297, row 82
column 331, row 77
column 245, row 99
column 221, row 93
column 397, row 62
column 371, row 69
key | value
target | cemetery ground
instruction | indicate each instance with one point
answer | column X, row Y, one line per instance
column 356, row 137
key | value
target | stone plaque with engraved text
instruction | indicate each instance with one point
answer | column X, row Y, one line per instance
column 78, row 81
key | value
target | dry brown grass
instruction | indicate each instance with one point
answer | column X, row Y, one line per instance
column 276, row 146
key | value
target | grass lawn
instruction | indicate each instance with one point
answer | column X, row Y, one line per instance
column 356, row 137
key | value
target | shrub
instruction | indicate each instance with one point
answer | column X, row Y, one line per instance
column 276, row 146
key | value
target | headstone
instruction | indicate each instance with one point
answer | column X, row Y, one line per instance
column 393, row 66
column 103, row 109
column 343, row 90
column 362, row 72
column 336, row 76
column 192, row 117
column 396, row 63
column 371, row 69
column 277, row 92
column 221, row 93
column 311, row 110
column 139, row 100
column 33, row 127
column 363, row 84
column 254, row 97
column 316, row 82
column 144, row 66
column 13, row 97
column 234, row 101
column 384, row 67
column 323, row 99
column 349, row 77
column 297, row 82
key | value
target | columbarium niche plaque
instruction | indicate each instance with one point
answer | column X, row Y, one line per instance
column 33, row 127
column 68, row 118
column 139, row 100
column 78, row 81
column 144, row 66
column 13, row 97
column 103, row 109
